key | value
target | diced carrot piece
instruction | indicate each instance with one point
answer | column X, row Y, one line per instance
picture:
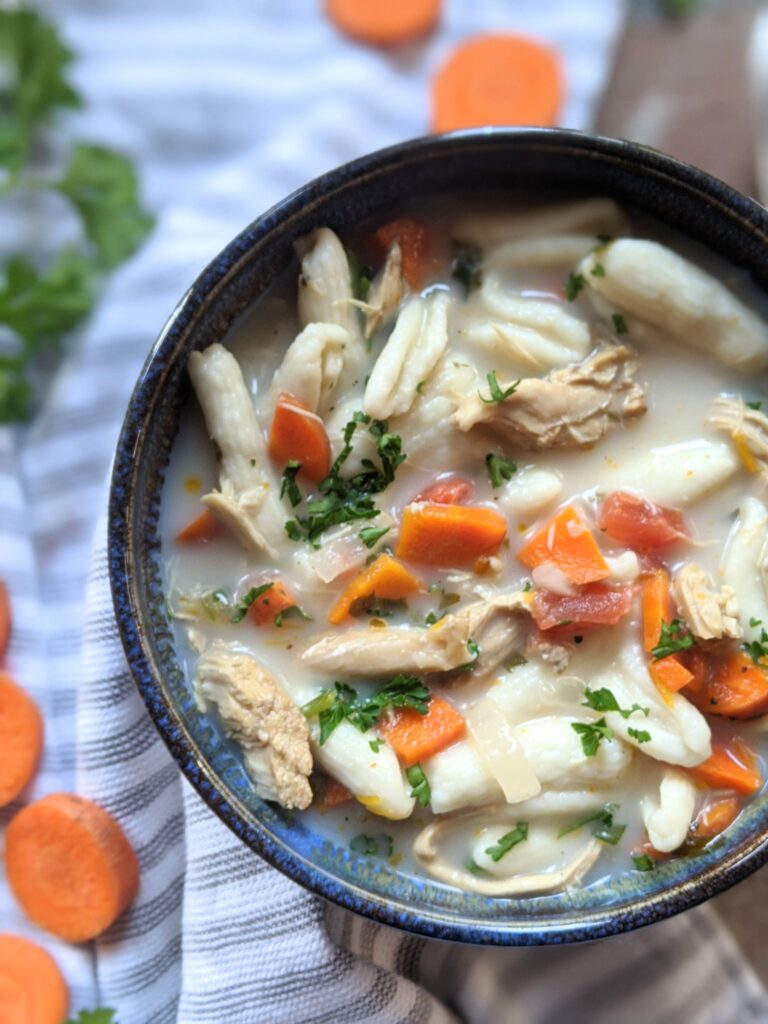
column 5, row 619
column 449, row 535
column 21, row 739
column 70, row 866
column 670, row 673
column 32, row 988
column 333, row 794
column 735, row 687
column 385, row 579
column 497, row 79
column 202, row 529
column 412, row 237
column 384, row 24
column 267, row 606
column 566, row 542
column 448, row 490
column 639, row 523
column 731, row 766
column 698, row 665
column 299, row 434
column 415, row 737
column 593, row 606
column 715, row 818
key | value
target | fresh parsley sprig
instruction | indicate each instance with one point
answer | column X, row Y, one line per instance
column 757, row 649
column 342, row 703
column 419, row 784
column 499, row 469
column 242, row 606
column 603, row 826
column 573, row 286
column 673, row 637
column 370, row 534
column 506, row 842
column 604, row 700
column 592, row 735
column 495, row 391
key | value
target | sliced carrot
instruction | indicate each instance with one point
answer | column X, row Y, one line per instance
column 731, row 766
column 299, row 434
column 735, row 687
column 332, row 794
column 21, row 739
column 566, row 542
column 384, row 579
column 497, row 79
column 268, row 605
column 668, row 673
column 715, row 818
column 449, row 535
column 70, row 866
column 384, row 24
column 415, row 737
column 32, row 988
column 5, row 619
column 447, row 490
column 413, row 240
column 202, row 529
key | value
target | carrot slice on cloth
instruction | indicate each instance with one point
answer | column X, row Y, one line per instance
column 449, row 535
column 715, row 818
column 32, row 988
column 497, row 79
column 70, row 866
column 413, row 239
column 267, row 606
column 734, row 688
column 415, row 737
column 299, row 434
column 668, row 673
column 21, row 739
column 731, row 766
column 5, row 619
column 639, row 523
column 449, row 490
column 385, row 579
column 566, row 542
column 202, row 529
column 384, row 22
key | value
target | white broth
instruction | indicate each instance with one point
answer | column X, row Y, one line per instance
column 493, row 742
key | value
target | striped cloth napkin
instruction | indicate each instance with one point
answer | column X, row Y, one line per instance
column 226, row 106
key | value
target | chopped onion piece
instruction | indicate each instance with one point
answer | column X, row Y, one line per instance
column 501, row 751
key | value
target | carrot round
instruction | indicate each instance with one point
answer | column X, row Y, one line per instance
column 413, row 240
column 449, row 535
column 715, row 818
column 5, row 619
column 447, row 490
column 566, row 542
column 735, row 688
column 384, row 23
column 202, row 529
column 332, row 794
column 70, row 866
column 731, row 766
column 415, row 737
column 298, row 434
column 265, row 609
column 32, row 988
column 21, row 739
column 385, row 579
column 497, row 79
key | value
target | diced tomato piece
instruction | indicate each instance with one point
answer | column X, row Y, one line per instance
column 447, row 490
column 414, row 244
column 594, row 605
column 639, row 523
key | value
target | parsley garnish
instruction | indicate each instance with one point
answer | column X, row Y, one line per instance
column 372, row 846
column 598, row 270
column 242, row 606
column 472, row 866
column 466, row 268
column 420, row 386
column 360, row 277
column 497, row 395
column 757, row 649
column 291, row 612
column 754, row 405
column 527, row 586
column 573, row 285
column 375, row 745
column 641, row 735
column 419, row 785
column 643, row 862
column 507, row 841
column 100, row 1016
column 603, row 827
column 619, row 323
column 592, row 734
column 499, row 469
column 370, row 534
column 673, row 638
column 604, row 700
column 474, row 650
column 333, row 706
column 288, row 483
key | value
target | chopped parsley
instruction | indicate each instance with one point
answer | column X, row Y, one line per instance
column 573, row 285
column 641, row 735
column 604, row 700
column 592, row 735
column 375, row 745
column 643, row 862
column 100, row 1016
column 242, row 606
column 603, row 826
column 527, row 586
column 757, row 649
column 288, row 485
column 372, row 846
column 333, row 706
column 497, row 395
column 499, row 469
column 420, row 790
column 474, row 650
column 619, row 323
column 673, row 638
column 360, row 277
column 474, row 868
column 420, row 386
column 754, row 405
column 598, row 270
column 291, row 612
column 508, row 841
column 466, row 268
column 370, row 534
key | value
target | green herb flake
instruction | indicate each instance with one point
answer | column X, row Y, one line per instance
column 604, row 700
column 527, row 587
column 420, row 790
column 242, row 606
column 573, row 285
column 673, row 638
column 757, row 649
column 288, row 485
column 474, row 868
column 341, row 703
column 292, row 612
column 603, row 826
column 506, row 842
column 466, row 268
column 375, row 745
column 499, row 469
column 642, row 862
column 619, row 323
column 598, row 270
column 641, row 735
column 592, row 734
column 420, row 387
column 100, row 1016
column 496, row 393
column 372, row 846
column 754, row 405
column 370, row 534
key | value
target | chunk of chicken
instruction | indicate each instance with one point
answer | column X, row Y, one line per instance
column 568, row 408
column 668, row 816
column 246, row 502
column 709, row 614
column 409, row 356
column 312, row 365
column 385, row 292
column 595, row 216
column 748, row 428
column 744, row 565
column 671, row 297
column 498, row 627
column 325, row 284
column 262, row 718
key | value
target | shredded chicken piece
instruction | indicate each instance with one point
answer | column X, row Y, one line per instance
column 498, row 627
column 263, row 719
column 325, row 285
column 568, row 408
column 312, row 365
column 709, row 614
column 747, row 427
column 246, row 502
column 385, row 292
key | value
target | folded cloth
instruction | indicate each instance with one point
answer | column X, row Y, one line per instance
column 226, row 106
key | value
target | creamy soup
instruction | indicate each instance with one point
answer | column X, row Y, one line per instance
column 478, row 580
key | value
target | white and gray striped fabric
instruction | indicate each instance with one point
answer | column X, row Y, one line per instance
column 226, row 106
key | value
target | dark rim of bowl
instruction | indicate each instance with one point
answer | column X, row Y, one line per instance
column 582, row 926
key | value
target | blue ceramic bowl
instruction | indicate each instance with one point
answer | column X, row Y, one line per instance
column 526, row 163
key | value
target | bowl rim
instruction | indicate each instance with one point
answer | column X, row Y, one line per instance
column 581, row 925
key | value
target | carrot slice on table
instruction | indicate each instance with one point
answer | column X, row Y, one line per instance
column 268, row 605
column 21, row 739
column 449, row 490
column 32, row 988
column 202, row 529
column 384, row 23
column 735, row 688
column 497, row 79
column 412, row 237
column 449, row 535
column 731, row 766
column 668, row 673
column 385, row 579
column 566, row 542
column 299, row 434
column 5, row 619
column 415, row 737
column 70, row 866
column 715, row 818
